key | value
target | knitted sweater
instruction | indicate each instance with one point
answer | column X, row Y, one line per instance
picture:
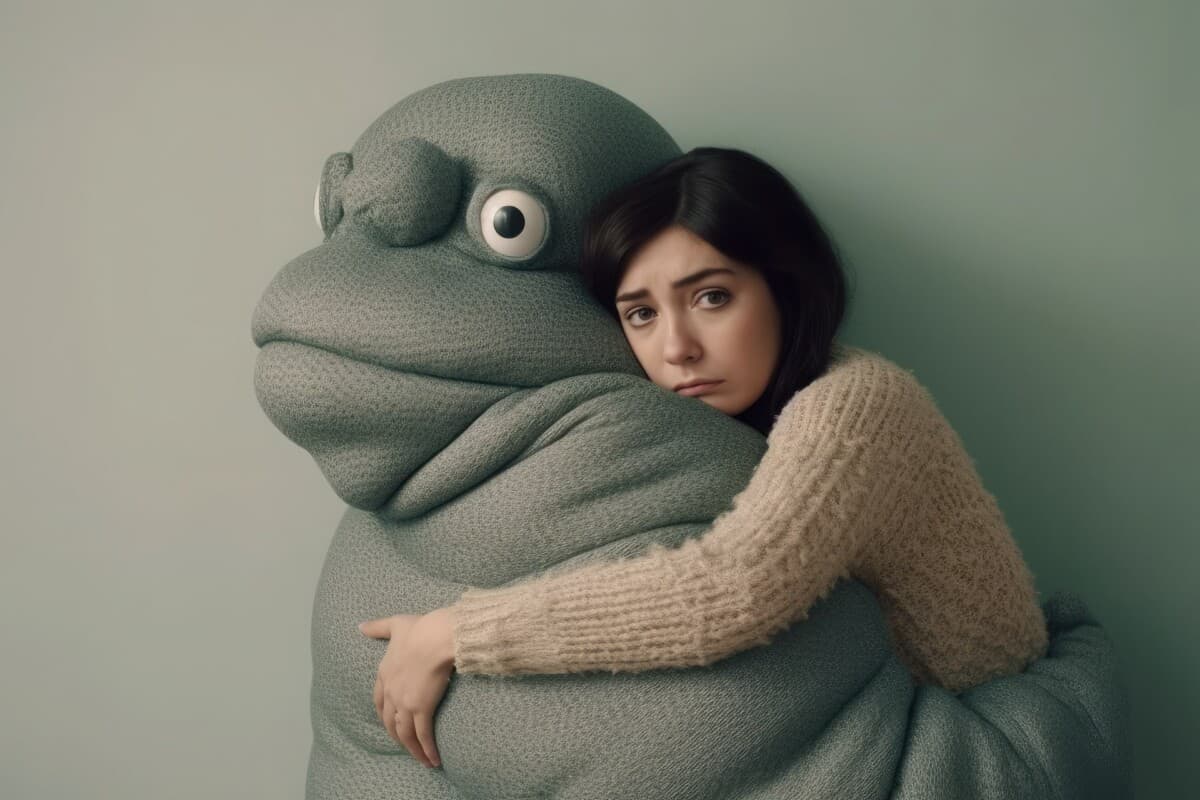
column 863, row 477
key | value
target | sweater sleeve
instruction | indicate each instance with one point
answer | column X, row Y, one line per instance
column 833, row 464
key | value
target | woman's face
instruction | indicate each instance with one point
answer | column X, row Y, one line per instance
column 720, row 323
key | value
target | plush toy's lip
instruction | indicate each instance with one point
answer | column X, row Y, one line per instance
column 339, row 354
column 273, row 339
column 287, row 340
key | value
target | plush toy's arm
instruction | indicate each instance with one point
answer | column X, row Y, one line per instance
column 1059, row 730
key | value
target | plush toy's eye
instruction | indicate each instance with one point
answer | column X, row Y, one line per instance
column 317, row 207
column 513, row 223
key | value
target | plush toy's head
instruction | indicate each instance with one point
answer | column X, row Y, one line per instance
column 447, row 278
column 502, row 168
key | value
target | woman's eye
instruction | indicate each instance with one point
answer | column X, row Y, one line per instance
column 632, row 316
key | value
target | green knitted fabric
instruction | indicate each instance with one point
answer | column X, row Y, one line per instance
column 485, row 420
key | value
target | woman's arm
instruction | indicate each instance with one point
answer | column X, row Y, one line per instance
column 835, row 459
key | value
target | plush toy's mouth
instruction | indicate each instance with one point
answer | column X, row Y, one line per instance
column 269, row 340
column 368, row 424
column 356, row 358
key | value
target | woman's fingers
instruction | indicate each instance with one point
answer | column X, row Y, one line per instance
column 400, row 726
column 408, row 737
column 405, row 695
column 377, row 696
column 389, row 718
column 423, row 724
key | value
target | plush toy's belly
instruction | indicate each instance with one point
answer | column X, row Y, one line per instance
column 824, row 694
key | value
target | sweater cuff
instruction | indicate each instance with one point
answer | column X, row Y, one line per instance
column 502, row 631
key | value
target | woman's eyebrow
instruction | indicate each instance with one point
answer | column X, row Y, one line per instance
column 695, row 276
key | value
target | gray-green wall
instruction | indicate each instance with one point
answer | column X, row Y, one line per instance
column 1014, row 184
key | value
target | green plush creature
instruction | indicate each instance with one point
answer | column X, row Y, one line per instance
column 486, row 421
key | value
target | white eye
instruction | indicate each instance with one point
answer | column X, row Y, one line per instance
column 513, row 223
column 317, row 207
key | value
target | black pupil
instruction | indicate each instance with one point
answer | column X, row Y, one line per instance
column 508, row 221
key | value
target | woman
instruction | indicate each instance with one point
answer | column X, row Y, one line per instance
column 718, row 273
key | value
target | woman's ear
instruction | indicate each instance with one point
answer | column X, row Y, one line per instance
column 328, row 203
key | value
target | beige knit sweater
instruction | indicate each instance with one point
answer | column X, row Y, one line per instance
column 862, row 477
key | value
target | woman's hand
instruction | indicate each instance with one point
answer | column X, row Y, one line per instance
column 413, row 676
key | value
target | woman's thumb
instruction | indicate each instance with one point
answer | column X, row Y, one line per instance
column 374, row 627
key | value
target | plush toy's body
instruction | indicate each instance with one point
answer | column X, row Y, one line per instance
column 486, row 421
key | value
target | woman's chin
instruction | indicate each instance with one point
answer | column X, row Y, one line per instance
column 717, row 403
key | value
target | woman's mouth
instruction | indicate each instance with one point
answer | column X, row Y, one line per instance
column 698, row 388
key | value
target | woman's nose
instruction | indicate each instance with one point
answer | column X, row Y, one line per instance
column 681, row 345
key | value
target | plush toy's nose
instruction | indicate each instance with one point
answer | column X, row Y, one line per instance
column 405, row 193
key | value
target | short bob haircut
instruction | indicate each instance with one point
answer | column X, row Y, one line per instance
column 746, row 209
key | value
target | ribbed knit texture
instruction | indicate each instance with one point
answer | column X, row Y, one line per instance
column 863, row 478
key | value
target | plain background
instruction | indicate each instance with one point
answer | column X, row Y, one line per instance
column 1013, row 183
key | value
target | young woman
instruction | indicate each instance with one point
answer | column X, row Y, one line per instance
column 729, row 291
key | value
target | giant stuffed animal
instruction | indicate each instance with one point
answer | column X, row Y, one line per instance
column 484, row 420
